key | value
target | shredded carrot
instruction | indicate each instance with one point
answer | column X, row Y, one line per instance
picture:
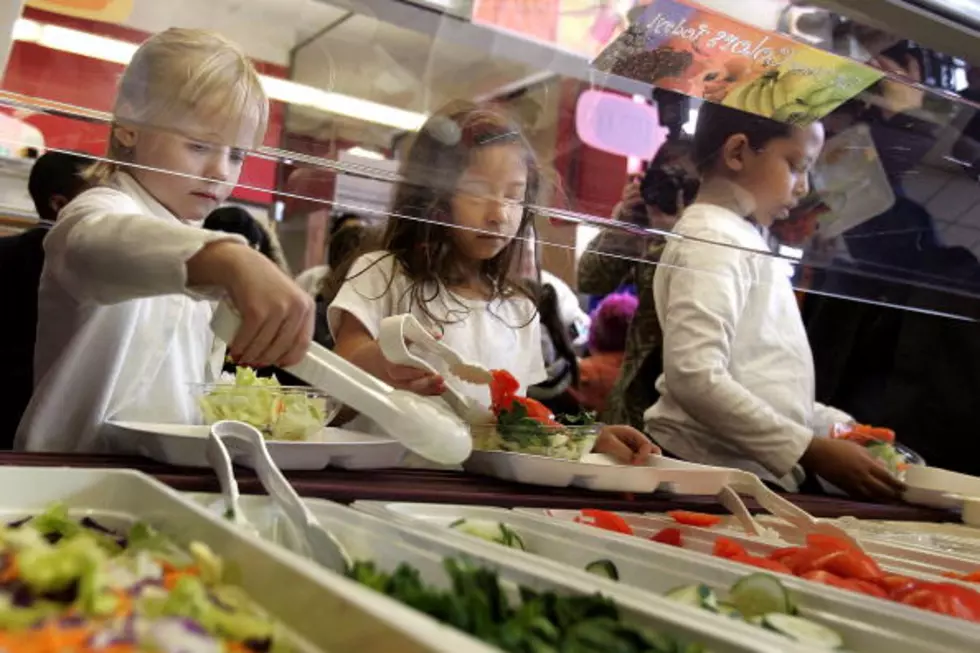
column 10, row 570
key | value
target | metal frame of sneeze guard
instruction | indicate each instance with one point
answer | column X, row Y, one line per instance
column 428, row 429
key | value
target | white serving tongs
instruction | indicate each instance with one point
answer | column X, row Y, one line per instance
column 751, row 485
column 398, row 331
column 423, row 426
column 246, row 440
column 688, row 478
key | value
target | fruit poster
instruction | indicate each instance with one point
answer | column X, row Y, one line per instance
column 685, row 48
column 109, row 11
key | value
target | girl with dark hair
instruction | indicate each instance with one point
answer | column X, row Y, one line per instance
column 737, row 388
column 451, row 257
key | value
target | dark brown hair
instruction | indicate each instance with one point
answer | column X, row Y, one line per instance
column 418, row 233
column 717, row 123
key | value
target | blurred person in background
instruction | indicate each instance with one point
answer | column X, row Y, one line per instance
column 607, row 347
column 311, row 280
column 54, row 181
column 236, row 220
column 616, row 258
column 352, row 238
column 560, row 360
column 574, row 320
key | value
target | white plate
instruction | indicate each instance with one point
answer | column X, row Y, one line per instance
column 865, row 626
column 347, row 616
column 598, row 472
column 184, row 445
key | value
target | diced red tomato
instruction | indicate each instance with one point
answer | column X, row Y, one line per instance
column 671, row 536
column 827, row 578
column 828, row 542
column 897, row 586
column 535, row 410
column 763, row 563
column 853, row 564
column 865, row 587
column 694, row 518
column 503, row 387
column 726, row 548
column 609, row 521
column 785, row 552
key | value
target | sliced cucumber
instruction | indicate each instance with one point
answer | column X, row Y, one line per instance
column 802, row 630
column 509, row 537
column 729, row 610
column 760, row 594
column 490, row 531
column 700, row 596
column 604, row 568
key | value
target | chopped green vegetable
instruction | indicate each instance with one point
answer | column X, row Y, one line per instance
column 544, row 622
column 760, row 594
column 490, row 531
column 604, row 568
column 802, row 630
column 699, row 596
column 280, row 413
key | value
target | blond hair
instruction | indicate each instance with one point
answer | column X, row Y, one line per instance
column 180, row 73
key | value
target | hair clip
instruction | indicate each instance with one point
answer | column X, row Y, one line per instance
column 444, row 130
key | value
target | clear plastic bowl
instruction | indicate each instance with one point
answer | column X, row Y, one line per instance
column 289, row 413
column 564, row 442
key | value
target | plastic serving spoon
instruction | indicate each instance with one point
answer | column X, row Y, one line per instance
column 246, row 439
column 428, row 429
column 220, row 462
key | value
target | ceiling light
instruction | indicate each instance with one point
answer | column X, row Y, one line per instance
column 116, row 51
column 365, row 153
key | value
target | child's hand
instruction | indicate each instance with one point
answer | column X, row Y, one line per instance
column 412, row 379
column 277, row 316
column 625, row 444
column 850, row 467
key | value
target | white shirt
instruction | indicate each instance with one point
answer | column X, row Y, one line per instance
column 504, row 334
column 118, row 335
column 738, row 384
column 569, row 307
column 311, row 280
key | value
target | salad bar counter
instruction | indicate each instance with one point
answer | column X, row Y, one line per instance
column 437, row 486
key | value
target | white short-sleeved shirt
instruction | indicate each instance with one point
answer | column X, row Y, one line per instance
column 119, row 335
column 503, row 334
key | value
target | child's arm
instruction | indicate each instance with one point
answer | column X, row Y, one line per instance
column 354, row 318
column 277, row 316
column 707, row 287
column 105, row 250
column 706, row 293
column 354, row 342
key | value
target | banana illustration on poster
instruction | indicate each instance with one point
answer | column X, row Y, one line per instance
column 685, row 48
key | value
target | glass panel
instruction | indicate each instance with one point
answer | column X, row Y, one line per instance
column 893, row 217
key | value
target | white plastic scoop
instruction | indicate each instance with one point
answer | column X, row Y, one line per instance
column 426, row 428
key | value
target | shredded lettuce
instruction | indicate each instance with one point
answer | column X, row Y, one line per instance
column 279, row 413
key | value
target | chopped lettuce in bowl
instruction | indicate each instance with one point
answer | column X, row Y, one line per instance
column 279, row 412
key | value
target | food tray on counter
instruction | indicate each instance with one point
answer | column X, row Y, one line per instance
column 184, row 446
column 599, row 473
column 389, row 543
column 876, row 625
column 347, row 617
column 894, row 557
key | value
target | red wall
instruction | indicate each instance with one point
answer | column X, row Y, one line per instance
column 91, row 83
column 593, row 180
